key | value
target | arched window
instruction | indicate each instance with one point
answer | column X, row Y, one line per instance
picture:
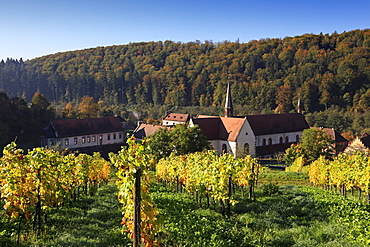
column 297, row 138
column 270, row 141
column 264, row 142
column 286, row 139
column 224, row 148
column 246, row 148
column 281, row 140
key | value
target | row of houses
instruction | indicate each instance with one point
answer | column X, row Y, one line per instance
column 258, row 135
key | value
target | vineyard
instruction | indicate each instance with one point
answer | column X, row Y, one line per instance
column 346, row 172
column 200, row 199
column 33, row 184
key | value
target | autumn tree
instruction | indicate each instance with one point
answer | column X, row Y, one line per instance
column 69, row 111
column 41, row 108
column 87, row 108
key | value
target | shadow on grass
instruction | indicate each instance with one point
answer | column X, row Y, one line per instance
column 93, row 221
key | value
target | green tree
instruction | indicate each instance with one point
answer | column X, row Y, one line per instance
column 159, row 143
column 188, row 139
column 315, row 143
column 179, row 140
column 41, row 108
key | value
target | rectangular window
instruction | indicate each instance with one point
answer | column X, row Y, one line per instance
column 114, row 136
column 88, row 139
column 75, row 140
column 83, row 139
column 66, row 142
column 108, row 137
column 93, row 138
column 120, row 135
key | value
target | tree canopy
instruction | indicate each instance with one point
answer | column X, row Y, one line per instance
column 178, row 140
column 314, row 143
column 268, row 74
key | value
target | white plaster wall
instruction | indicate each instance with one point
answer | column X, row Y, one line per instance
column 246, row 135
column 80, row 144
column 276, row 138
column 170, row 123
column 230, row 146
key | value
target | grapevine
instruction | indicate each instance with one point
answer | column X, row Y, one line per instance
column 32, row 184
column 134, row 162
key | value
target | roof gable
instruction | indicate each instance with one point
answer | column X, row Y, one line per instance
column 220, row 128
column 232, row 125
column 144, row 130
column 334, row 135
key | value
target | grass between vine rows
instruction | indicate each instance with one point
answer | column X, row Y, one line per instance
column 282, row 215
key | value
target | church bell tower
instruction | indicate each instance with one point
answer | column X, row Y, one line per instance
column 228, row 103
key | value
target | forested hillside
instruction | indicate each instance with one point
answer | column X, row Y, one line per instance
column 321, row 69
column 266, row 75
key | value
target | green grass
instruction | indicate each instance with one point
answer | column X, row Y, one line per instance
column 288, row 217
column 284, row 178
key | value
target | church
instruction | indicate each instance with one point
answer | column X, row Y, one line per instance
column 260, row 136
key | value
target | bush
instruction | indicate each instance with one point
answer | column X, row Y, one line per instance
column 270, row 189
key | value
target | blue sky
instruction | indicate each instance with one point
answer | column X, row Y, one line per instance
column 33, row 28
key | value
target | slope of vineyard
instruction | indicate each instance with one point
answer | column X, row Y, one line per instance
column 183, row 202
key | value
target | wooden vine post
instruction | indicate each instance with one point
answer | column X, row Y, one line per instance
column 229, row 192
column 251, row 182
column 139, row 219
column 137, row 200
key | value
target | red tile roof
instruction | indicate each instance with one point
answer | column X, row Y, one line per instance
column 144, row 130
column 87, row 126
column 228, row 128
column 335, row 136
column 179, row 117
column 219, row 128
column 277, row 123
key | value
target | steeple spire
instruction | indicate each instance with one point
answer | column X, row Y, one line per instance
column 228, row 103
